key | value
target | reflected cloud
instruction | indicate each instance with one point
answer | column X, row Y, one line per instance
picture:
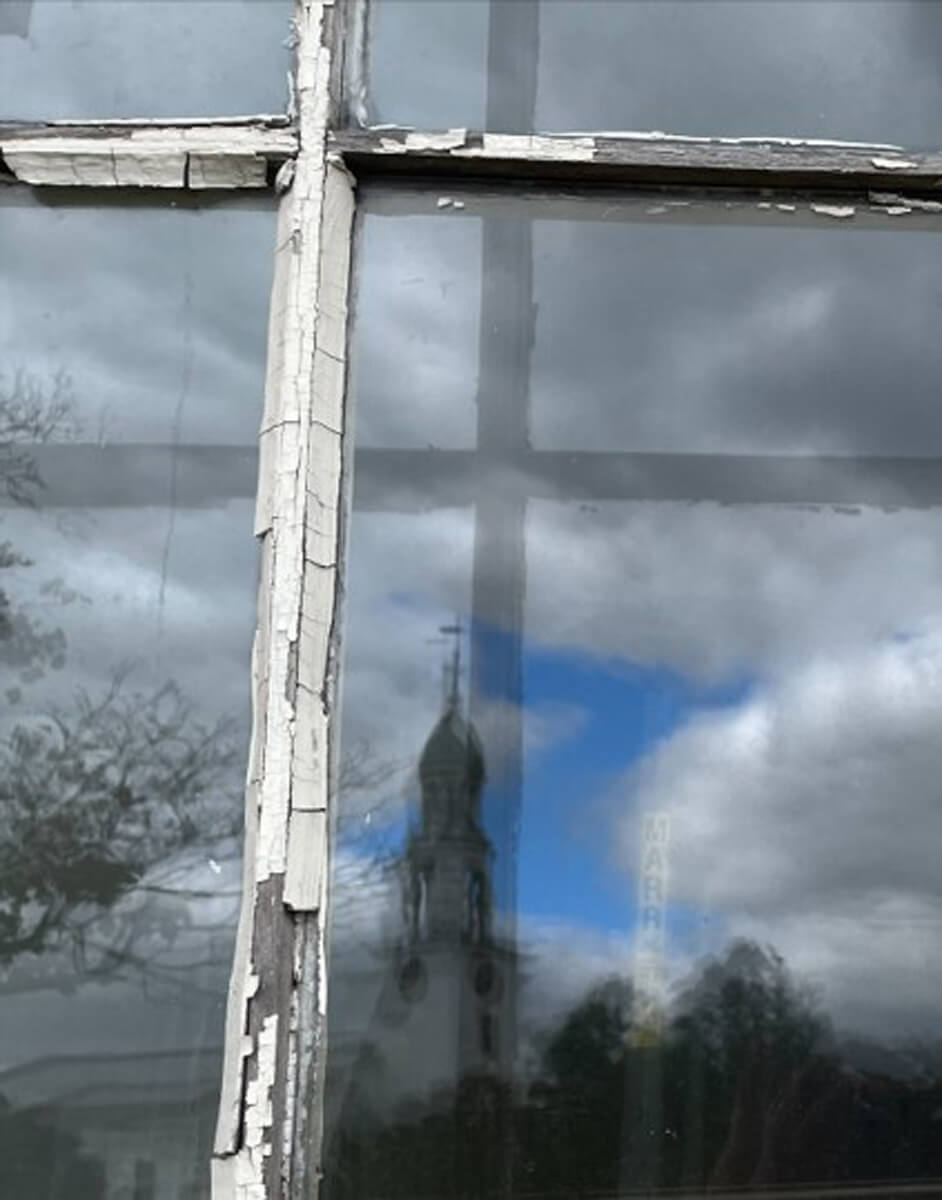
column 697, row 557
column 782, row 68
column 127, row 600
column 113, row 59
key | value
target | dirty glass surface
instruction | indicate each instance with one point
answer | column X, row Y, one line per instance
column 635, row 868
column 142, row 58
column 132, row 354
column 849, row 69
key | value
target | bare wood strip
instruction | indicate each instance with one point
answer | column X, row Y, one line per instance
column 641, row 158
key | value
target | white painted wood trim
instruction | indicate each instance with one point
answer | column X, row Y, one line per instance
column 268, row 1134
column 152, row 155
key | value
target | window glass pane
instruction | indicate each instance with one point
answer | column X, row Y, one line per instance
column 142, row 58
column 443, row 45
column 133, row 369
column 653, row 897
column 418, row 292
column 784, row 337
column 851, row 69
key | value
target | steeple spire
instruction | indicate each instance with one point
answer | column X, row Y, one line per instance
column 452, row 670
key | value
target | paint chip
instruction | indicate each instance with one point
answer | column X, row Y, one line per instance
column 839, row 211
column 894, row 164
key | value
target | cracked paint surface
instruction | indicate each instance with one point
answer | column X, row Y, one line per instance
column 267, row 1140
column 118, row 154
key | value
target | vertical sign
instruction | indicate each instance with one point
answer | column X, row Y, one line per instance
column 650, row 984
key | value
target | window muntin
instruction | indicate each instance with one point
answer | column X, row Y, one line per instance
column 134, row 375
column 143, row 58
column 707, row 725
column 768, row 68
column 476, row 1145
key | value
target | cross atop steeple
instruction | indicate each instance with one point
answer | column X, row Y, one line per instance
column 452, row 670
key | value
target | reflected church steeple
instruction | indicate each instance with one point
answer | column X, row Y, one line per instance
column 448, row 859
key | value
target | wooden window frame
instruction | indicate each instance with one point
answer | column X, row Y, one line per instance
column 269, row 1128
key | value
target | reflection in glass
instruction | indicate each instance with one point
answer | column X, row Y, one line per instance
column 776, row 68
column 126, row 612
column 142, row 58
column 422, row 292
column 640, row 892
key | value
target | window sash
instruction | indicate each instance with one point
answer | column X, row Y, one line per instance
column 268, row 1135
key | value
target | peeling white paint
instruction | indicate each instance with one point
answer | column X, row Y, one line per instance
column 70, row 164
column 535, row 147
column 307, row 857
column 659, row 135
column 257, row 1117
column 450, row 140
column 839, row 211
column 657, row 151
column 894, row 200
column 227, row 171
column 243, row 981
column 893, row 164
column 257, row 119
column 285, row 176
column 298, row 522
column 154, row 156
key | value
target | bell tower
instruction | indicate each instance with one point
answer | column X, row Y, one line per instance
column 455, row 991
column 447, row 864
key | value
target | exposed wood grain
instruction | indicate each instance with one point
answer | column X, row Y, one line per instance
column 641, row 158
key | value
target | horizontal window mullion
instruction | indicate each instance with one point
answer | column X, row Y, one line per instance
column 645, row 158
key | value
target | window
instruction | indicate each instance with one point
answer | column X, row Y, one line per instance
column 589, row 837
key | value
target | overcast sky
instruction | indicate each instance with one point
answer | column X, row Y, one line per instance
column 769, row 677
column 158, row 317
column 831, row 69
column 143, row 58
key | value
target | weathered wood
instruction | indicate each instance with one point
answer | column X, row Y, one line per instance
column 268, row 1135
column 641, row 158
column 199, row 155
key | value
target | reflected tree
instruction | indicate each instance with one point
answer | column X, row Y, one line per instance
column 756, row 1092
column 572, row 1127
column 741, row 1026
column 106, row 803
column 91, row 800
column 32, row 413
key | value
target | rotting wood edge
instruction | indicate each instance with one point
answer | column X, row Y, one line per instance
column 632, row 158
